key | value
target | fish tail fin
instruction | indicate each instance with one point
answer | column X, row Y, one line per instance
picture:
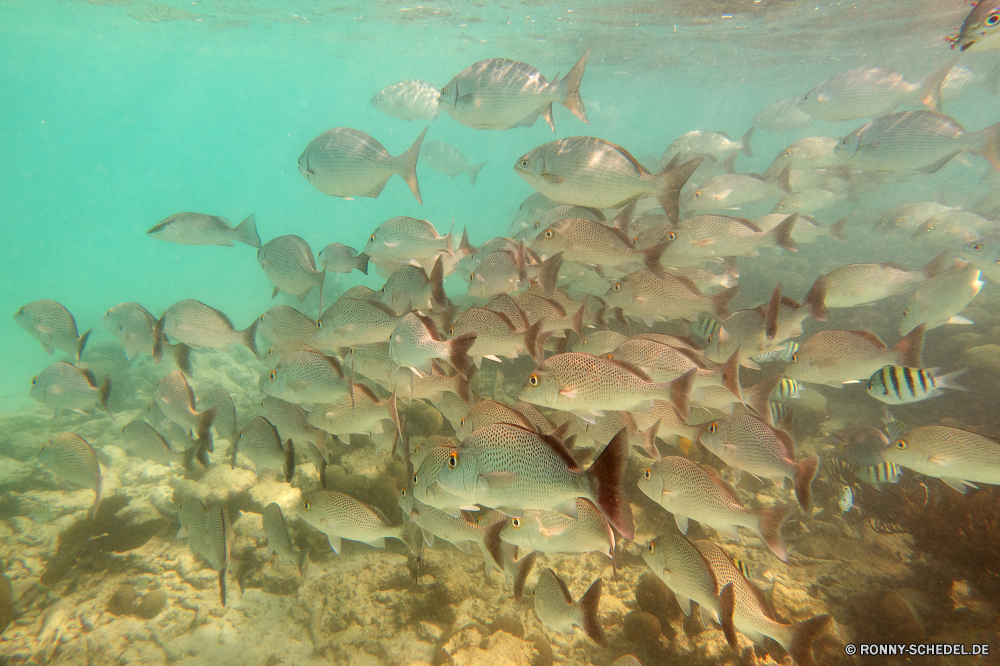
column 571, row 83
column 459, row 356
column 720, row 301
column 607, row 476
column 680, row 393
column 803, row 635
column 727, row 606
column 533, row 341
column 948, row 381
column 249, row 335
column 474, row 172
column 731, row 376
column 409, row 163
column 548, row 272
column 246, row 231
column 362, row 263
column 195, row 453
column 930, row 87
column 782, row 233
column 589, row 605
column 991, row 145
column 222, row 585
column 578, row 319
column 911, row 348
column 182, row 358
column 81, row 343
column 462, row 389
column 98, row 496
column 652, row 256
column 760, row 394
column 815, row 300
column 649, row 442
column 204, row 429
column 524, row 566
column 805, row 472
column 772, row 312
column 289, row 461
column 158, row 338
column 410, row 534
column 938, row 264
column 745, row 141
column 771, row 520
column 672, row 179
column 437, row 283
column 104, row 394
column 837, row 229
column 493, row 544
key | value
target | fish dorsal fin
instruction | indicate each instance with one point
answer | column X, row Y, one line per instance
column 335, row 364
column 562, row 586
column 378, row 512
column 467, row 517
column 429, row 324
column 722, row 483
column 761, row 310
column 633, row 369
column 524, row 421
column 367, row 392
column 380, row 306
column 895, row 265
column 789, row 303
column 635, row 163
column 504, row 318
column 748, row 224
column 870, row 337
column 554, row 442
column 692, row 355
column 88, row 374
column 787, row 442
column 689, row 283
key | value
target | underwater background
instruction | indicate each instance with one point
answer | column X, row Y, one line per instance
column 118, row 113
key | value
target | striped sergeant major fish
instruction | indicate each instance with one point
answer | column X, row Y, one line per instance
column 900, row 385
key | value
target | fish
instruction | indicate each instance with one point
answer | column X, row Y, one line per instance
column 587, row 385
column 915, row 141
column 461, row 531
column 689, row 491
column 951, row 228
column 751, row 615
column 702, row 142
column 411, row 99
column 406, row 238
column 686, row 572
column 706, row 327
column 908, row 217
column 176, row 399
column 260, row 442
column 345, row 162
column 53, row 326
column 707, row 236
column 193, row 517
column 747, row 444
column 980, row 30
column 410, row 288
column 554, row 532
column 500, row 94
column 598, row 342
column 352, row 322
column 428, row 490
column 811, row 152
column 65, row 386
column 218, row 543
column 306, row 377
column 857, row 284
column 225, row 418
column 283, row 323
column 556, row 609
column 339, row 258
column 899, row 385
column 504, row 465
column 649, row 297
column 592, row 172
column 278, row 540
column 870, row 92
column 665, row 363
column 940, row 300
column 72, row 459
column 497, row 335
column 836, row 357
column 340, row 516
column 201, row 229
column 360, row 412
column 445, row 158
column 984, row 252
column 489, row 412
column 846, row 500
column 787, row 389
column 783, row 115
column 198, row 325
column 416, row 340
column 289, row 264
column 145, row 442
column 731, row 190
column 876, row 475
column 626, row 660
column 958, row 457
column 538, row 209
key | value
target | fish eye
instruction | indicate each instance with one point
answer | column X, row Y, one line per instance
column 533, row 380
column 537, row 223
column 618, row 286
column 930, row 227
column 383, row 290
column 902, row 444
column 671, row 236
column 379, row 99
column 271, row 375
column 899, row 221
column 453, row 460
column 319, row 323
column 548, row 233
column 584, row 342
column 787, row 153
column 371, row 239
column 652, row 548
column 709, row 338
column 414, row 479
column 472, row 276
column 516, row 522
column 524, row 164
column 635, row 239
column 712, row 429
column 993, row 19
column 906, row 312
column 795, row 357
column 451, row 330
column 305, row 506
column 871, row 385
column 21, row 311
column 977, row 247
column 461, row 421
column 270, row 352
column 647, row 473
column 675, row 144
column 403, row 492
column 34, row 381
column 697, row 194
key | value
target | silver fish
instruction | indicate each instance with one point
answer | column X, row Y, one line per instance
column 448, row 160
column 225, row 417
column 843, row 357
column 649, row 297
column 908, row 217
column 339, row 258
column 409, row 100
column 813, row 152
column 958, row 457
column 415, row 341
column 73, row 459
column 980, row 30
column 701, row 142
column 501, row 94
column 65, row 386
column 260, row 442
column 410, row 288
column 176, row 399
column 598, row 342
column 783, row 115
column 554, row 532
column 201, row 229
column 53, row 326
column 497, row 335
column 556, row 609
column 289, row 264
column 461, row 531
column 340, row 516
column 278, row 540
column 283, row 323
column 406, row 238
column 731, row 190
column 940, row 300
column 857, row 284
column 361, row 412
column 218, row 543
column 687, row 573
column 306, row 377
column 538, row 210
column 345, row 162
column 145, row 442
column 198, row 325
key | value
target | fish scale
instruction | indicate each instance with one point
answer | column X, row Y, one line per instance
column 410, row 100
column 643, row 294
column 340, row 516
column 73, row 459
column 406, row 238
column 683, row 568
column 958, row 456
column 283, row 322
column 53, row 326
column 193, row 517
column 306, row 377
column 352, row 322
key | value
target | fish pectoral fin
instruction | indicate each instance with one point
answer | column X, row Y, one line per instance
column 703, row 241
column 960, row 485
column 391, row 244
column 958, row 319
column 850, row 381
column 552, row 178
column 334, row 543
column 493, row 357
column 569, row 394
column 682, row 521
column 498, row 480
column 465, row 100
column 589, row 417
column 298, row 385
column 684, row 603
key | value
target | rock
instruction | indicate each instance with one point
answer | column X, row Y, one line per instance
column 898, row 618
column 653, row 596
column 152, row 604
column 122, row 600
column 500, row 649
column 641, row 628
column 509, row 623
column 544, row 656
column 423, row 419
column 985, row 356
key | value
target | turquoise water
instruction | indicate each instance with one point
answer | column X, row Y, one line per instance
column 116, row 114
